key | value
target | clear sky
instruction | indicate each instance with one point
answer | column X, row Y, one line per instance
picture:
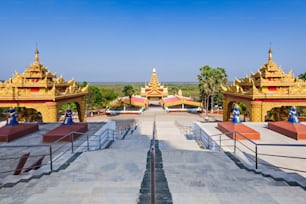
column 117, row 40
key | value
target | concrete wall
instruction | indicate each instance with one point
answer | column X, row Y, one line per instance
column 203, row 135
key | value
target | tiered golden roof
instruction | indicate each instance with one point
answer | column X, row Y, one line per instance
column 154, row 88
column 37, row 83
column 269, row 82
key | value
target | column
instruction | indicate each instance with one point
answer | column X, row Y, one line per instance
column 256, row 113
column 49, row 112
column 225, row 109
column 81, row 104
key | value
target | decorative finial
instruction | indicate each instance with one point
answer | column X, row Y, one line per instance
column 36, row 55
column 154, row 70
column 270, row 54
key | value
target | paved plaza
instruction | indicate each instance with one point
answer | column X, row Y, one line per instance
column 193, row 174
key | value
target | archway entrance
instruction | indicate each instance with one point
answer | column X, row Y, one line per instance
column 38, row 89
column 269, row 88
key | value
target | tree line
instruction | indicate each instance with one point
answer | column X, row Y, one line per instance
column 210, row 80
column 207, row 90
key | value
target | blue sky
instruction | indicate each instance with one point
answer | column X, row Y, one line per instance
column 116, row 40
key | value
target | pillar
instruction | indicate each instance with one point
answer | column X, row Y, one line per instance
column 49, row 112
column 256, row 113
column 81, row 108
column 225, row 109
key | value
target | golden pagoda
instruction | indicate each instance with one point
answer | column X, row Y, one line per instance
column 270, row 87
column 41, row 90
column 154, row 90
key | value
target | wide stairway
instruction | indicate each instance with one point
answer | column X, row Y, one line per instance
column 111, row 175
column 189, row 175
column 195, row 175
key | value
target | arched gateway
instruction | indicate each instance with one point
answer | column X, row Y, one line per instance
column 38, row 89
column 269, row 88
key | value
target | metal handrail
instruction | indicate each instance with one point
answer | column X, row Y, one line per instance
column 245, row 137
column 152, row 164
column 17, row 146
column 256, row 146
column 209, row 138
column 292, row 145
column 68, row 134
column 270, row 145
column 53, row 149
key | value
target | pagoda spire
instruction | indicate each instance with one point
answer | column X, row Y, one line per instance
column 36, row 55
column 270, row 54
column 154, row 79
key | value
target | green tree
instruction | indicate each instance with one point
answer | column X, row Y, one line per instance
column 210, row 81
column 243, row 110
column 72, row 106
column 220, row 78
column 303, row 76
column 83, row 84
column 129, row 90
column 218, row 99
column 205, row 85
column 94, row 97
column 173, row 89
column 108, row 95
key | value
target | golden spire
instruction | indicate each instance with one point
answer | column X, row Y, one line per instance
column 154, row 80
column 270, row 54
column 36, row 55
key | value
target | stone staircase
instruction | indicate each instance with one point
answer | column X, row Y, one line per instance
column 109, row 176
column 211, row 177
column 118, row 175
column 162, row 193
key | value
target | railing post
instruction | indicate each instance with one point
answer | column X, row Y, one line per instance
column 220, row 142
column 72, row 142
column 200, row 135
column 152, row 175
column 87, row 142
column 256, row 157
column 51, row 163
column 100, row 140
column 235, row 141
column 152, row 165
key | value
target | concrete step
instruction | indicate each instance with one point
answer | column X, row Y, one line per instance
column 216, row 179
column 162, row 192
column 108, row 176
column 188, row 175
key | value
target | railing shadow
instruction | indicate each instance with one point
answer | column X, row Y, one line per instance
column 253, row 153
column 55, row 153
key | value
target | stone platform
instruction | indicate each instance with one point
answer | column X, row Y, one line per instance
column 231, row 128
column 10, row 133
column 292, row 130
column 63, row 130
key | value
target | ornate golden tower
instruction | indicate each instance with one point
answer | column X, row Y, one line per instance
column 37, row 88
column 154, row 90
column 268, row 88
